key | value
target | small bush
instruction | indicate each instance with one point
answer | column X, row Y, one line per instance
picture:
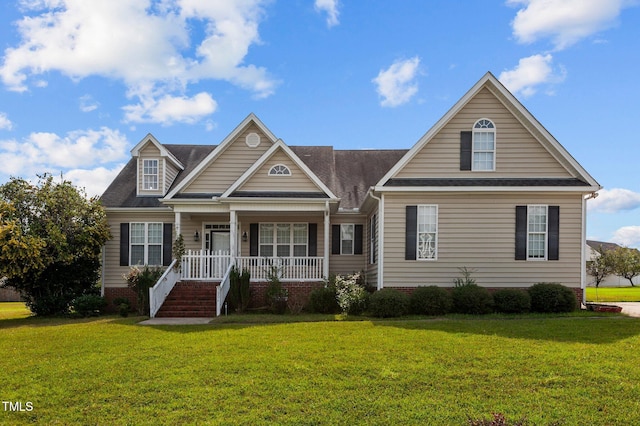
column 124, row 306
column 472, row 299
column 323, row 300
column 351, row 294
column 388, row 302
column 552, row 297
column 89, row 305
column 512, row 301
column 431, row 300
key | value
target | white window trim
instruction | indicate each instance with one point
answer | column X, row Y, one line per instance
column 146, row 243
column 473, row 145
column 545, row 233
column 280, row 170
column 435, row 254
column 353, row 239
column 292, row 242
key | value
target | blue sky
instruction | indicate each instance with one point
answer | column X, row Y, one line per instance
column 83, row 82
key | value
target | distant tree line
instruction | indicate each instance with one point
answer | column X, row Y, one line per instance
column 621, row 261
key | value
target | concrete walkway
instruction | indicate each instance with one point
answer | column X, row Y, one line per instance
column 176, row 321
column 630, row 308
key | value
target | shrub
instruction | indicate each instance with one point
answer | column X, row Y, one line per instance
column 239, row 289
column 277, row 295
column 388, row 302
column 552, row 297
column 323, row 300
column 472, row 299
column 431, row 300
column 351, row 294
column 466, row 277
column 512, row 301
column 140, row 281
column 124, row 306
column 88, row 305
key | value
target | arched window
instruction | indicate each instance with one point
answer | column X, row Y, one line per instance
column 279, row 170
column 484, row 145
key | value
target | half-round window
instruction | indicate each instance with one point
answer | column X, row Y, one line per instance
column 279, row 170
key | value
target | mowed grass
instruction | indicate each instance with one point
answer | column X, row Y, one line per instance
column 13, row 310
column 110, row 370
column 613, row 294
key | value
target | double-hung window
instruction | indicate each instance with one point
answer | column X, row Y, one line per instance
column 145, row 244
column 484, row 146
column 346, row 238
column 283, row 239
column 150, row 175
column 537, row 230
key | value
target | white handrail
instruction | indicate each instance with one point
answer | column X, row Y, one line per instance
column 288, row 268
column 205, row 265
column 159, row 292
column 223, row 289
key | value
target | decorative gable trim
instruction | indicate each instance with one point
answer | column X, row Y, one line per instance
column 522, row 114
column 251, row 118
column 164, row 152
column 279, row 145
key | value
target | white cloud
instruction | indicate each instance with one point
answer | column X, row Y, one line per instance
column 140, row 42
column 5, row 123
column 627, row 236
column 614, row 201
column 94, row 181
column 565, row 22
column 88, row 104
column 48, row 152
column 396, row 85
column 530, row 73
column 169, row 109
column 331, row 8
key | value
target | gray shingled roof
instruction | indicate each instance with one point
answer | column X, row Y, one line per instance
column 122, row 191
column 348, row 173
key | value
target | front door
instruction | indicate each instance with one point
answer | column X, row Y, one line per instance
column 218, row 244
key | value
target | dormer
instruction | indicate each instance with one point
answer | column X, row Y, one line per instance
column 157, row 167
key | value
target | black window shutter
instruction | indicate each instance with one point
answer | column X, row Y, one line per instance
column 124, row 244
column 335, row 239
column 465, row 150
column 313, row 239
column 521, row 232
column 411, row 232
column 253, row 239
column 554, row 233
column 357, row 244
column 167, row 243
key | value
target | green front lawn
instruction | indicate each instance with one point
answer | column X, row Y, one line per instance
column 613, row 294
column 565, row 370
column 13, row 310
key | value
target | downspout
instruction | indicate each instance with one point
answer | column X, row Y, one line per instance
column 380, row 200
column 583, row 252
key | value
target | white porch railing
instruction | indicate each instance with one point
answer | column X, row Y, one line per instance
column 205, row 265
column 159, row 292
column 222, row 290
column 287, row 268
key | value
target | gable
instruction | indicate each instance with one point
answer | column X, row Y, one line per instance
column 229, row 164
column 518, row 154
column 295, row 181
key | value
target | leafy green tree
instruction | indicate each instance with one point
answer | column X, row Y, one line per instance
column 601, row 266
column 51, row 236
column 626, row 262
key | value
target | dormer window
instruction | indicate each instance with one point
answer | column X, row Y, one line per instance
column 484, row 146
column 150, row 175
column 279, row 170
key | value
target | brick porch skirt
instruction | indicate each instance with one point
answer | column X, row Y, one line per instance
column 112, row 293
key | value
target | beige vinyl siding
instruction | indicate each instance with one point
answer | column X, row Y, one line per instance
column 112, row 270
column 348, row 263
column 245, row 220
column 262, row 181
column 170, row 175
column 229, row 165
column 477, row 231
column 150, row 152
column 518, row 153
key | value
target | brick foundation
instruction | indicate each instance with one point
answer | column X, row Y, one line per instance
column 111, row 293
column 299, row 293
column 577, row 291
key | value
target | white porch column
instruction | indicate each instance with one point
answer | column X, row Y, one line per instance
column 177, row 221
column 327, row 225
column 233, row 233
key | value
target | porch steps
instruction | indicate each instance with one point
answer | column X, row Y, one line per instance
column 190, row 299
